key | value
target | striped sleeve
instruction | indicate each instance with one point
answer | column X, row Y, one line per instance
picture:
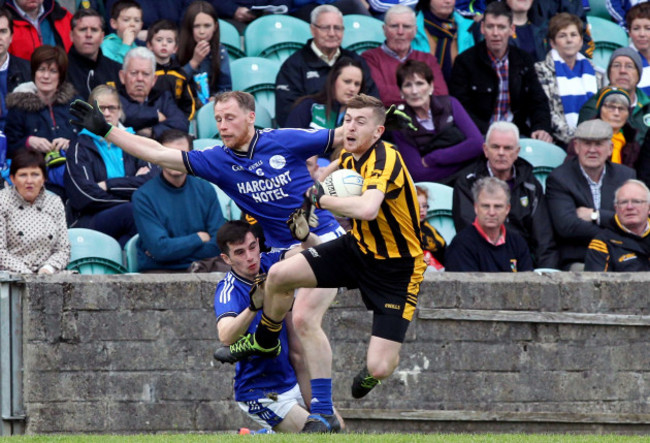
column 597, row 257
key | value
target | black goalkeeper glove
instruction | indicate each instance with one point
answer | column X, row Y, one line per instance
column 396, row 120
column 256, row 293
column 313, row 194
column 89, row 117
column 299, row 224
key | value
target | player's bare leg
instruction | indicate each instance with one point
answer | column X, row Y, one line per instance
column 294, row 420
column 283, row 277
column 381, row 361
column 308, row 311
column 297, row 356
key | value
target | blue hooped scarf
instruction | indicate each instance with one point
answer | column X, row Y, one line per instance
column 575, row 85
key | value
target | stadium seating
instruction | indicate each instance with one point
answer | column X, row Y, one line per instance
column 131, row 254
column 362, row 32
column 229, row 208
column 204, row 143
column 230, row 38
column 598, row 8
column 93, row 252
column 543, row 156
column 607, row 37
column 440, row 205
column 256, row 75
column 275, row 37
column 206, row 125
column 542, row 271
column 262, row 118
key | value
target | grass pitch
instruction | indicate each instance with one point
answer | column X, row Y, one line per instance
column 339, row 438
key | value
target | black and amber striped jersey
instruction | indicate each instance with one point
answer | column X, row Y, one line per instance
column 616, row 249
column 172, row 78
column 396, row 230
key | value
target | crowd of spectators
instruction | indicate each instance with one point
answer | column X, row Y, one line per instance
column 473, row 77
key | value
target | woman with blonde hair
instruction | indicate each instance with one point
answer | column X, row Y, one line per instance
column 101, row 178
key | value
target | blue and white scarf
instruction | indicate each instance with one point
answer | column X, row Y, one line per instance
column 575, row 85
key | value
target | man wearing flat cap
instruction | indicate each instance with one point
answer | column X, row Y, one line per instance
column 624, row 71
column 580, row 193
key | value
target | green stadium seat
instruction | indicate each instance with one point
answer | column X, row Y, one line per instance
column 206, row 125
column 230, row 38
column 205, row 143
column 229, row 208
column 362, row 32
column 93, row 252
column 542, row 271
column 440, row 205
column 542, row 155
column 598, row 8
column 607, row 37
column 255, row 75
column 275, row 36
column 263, row 119
column 131, row 254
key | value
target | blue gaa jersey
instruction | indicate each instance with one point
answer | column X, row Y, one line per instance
column 257, row 376
column 269, row 181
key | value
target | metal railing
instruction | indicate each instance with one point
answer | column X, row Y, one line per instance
column 11, row 357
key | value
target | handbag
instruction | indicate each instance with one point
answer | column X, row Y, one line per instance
column 450, row 135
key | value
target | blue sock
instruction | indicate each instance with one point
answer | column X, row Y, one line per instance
column 321, row 396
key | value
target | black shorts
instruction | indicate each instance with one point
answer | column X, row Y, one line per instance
column 388, row 287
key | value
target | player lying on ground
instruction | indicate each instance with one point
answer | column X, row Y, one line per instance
column 265, row 389
column 381, row 256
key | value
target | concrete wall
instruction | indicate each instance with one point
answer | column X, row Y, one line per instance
column 532, row 353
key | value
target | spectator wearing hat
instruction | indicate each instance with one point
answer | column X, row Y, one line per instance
column 580, row 193
column 614, row 108
column 624, row 71
column 624, row 246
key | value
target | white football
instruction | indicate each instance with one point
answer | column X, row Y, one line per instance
column 343, row 183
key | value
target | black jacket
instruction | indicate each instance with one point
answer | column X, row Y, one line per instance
column 528, row 212
column 616, row 250
column 86, row 168
column 470, row 252
column 171, row 77
column 85, row 73
column 303, row 73
column 476, row 85
column 145, row 115
column 566, row 190
column 29, row 116
column 19, row 71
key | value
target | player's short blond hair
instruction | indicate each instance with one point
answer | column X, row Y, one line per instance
column 362, row 101
column 245, row 100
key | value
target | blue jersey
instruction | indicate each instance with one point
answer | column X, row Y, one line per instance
column 269, row 181
column 257, row 376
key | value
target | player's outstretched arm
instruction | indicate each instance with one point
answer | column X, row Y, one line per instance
column 90, row 118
